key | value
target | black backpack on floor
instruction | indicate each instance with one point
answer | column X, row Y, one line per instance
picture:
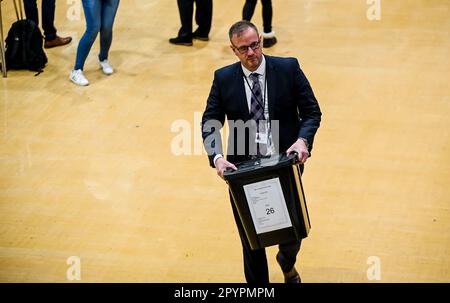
column 24, row 47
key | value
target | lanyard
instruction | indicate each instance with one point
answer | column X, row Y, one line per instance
column 264, row 93
column 263, row 105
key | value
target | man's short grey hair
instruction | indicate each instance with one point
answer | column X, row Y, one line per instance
column 239, row 27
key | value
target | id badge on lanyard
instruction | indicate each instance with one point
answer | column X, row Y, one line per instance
column 262, row 135
column 261, row 138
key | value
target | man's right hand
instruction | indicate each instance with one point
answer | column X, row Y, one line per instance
column 222, row 165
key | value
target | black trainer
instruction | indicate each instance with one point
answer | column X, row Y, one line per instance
column 268, row 42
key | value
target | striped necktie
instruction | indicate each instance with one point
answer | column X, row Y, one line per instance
column 257, row 111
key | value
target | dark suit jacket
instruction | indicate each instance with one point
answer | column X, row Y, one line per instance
column 291, row 102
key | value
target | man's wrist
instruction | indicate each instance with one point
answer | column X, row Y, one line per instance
column 305, row 141
column 218, row 156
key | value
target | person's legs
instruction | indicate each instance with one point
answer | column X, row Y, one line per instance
column 203, row 18
column 48, row 19
column 186, row 9
column 255, row 265
column 31, row 11
column 286, row 258
column 108, row 13
column 248, row 10
column 92, row 13
column 287, row 255
column 255, row 261
column 267, row 15
column 269, row 38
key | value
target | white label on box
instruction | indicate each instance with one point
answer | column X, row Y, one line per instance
column 267, row 205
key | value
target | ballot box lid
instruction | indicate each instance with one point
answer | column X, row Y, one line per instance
column 260, row 165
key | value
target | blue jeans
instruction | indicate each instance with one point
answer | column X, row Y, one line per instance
column 99, row 16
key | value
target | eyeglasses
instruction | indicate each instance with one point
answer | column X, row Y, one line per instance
column 243, row 49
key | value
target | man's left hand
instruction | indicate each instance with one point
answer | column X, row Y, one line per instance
column 301, row 149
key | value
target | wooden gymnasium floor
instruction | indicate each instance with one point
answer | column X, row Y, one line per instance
column 89, row 171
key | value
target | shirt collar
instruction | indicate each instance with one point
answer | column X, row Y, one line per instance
column 260, row 70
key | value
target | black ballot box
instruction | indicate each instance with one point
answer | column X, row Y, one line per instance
column 268, row 195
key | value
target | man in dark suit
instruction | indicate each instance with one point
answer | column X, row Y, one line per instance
column 48, row 18
column 269, row 91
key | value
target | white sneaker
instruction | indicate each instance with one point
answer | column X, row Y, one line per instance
column 78, row 78
column 107, row 69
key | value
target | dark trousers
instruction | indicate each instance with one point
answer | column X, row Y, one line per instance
column 255, row 261
column 203, row 17
column 249, row 9
column 48, row 16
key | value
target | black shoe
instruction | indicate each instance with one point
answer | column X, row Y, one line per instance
column 268, row 42
column 181, row 41
column 199, row 37
column 291, row 276
column 197, row 34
